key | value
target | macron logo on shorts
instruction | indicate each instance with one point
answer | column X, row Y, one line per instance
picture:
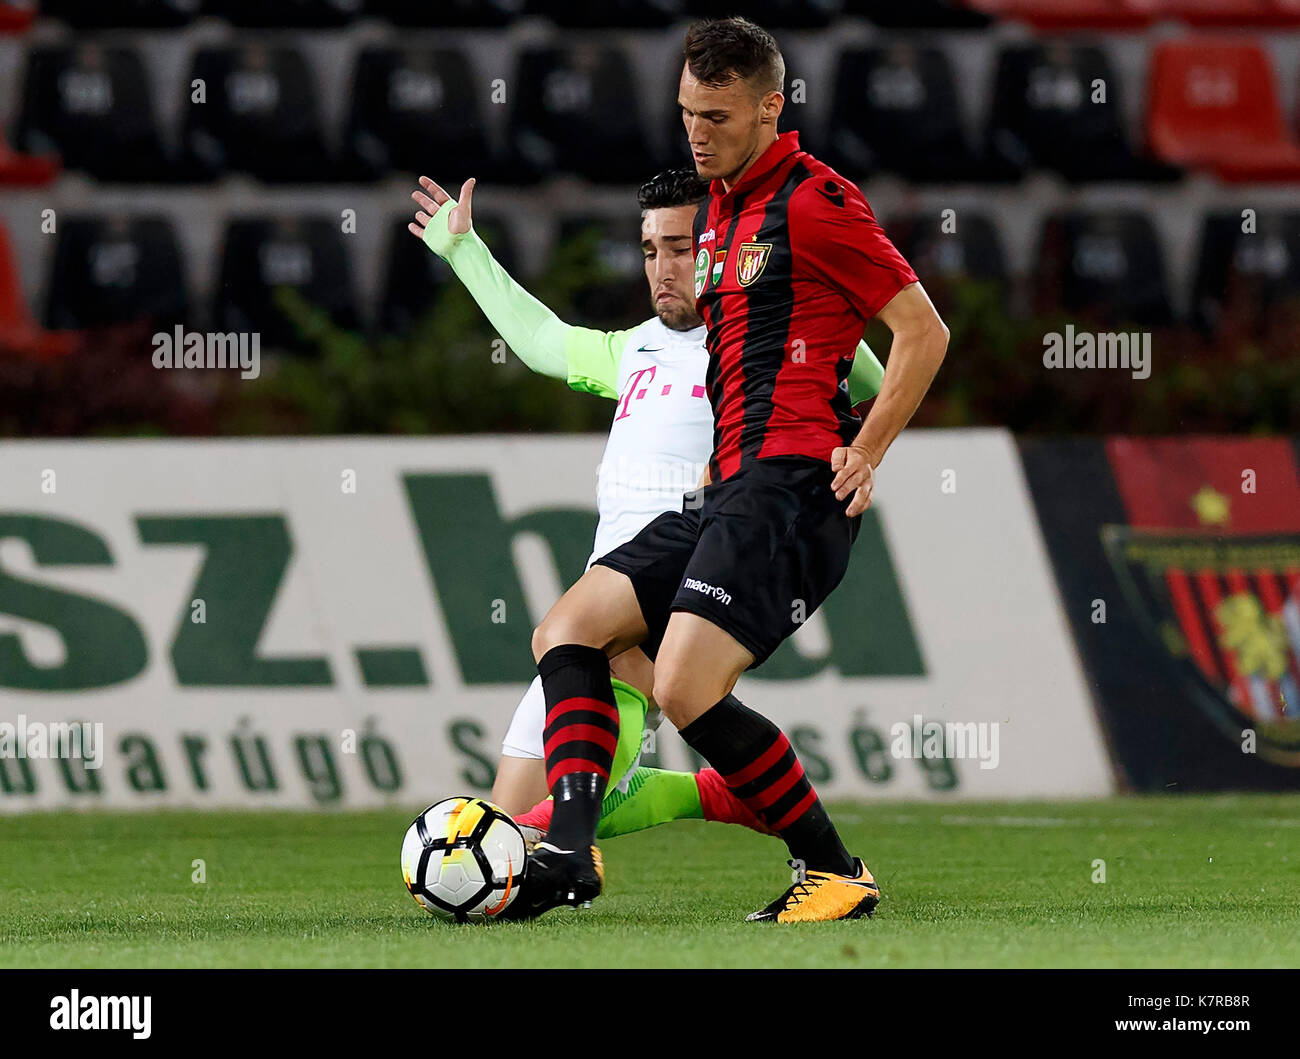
column 720, row 594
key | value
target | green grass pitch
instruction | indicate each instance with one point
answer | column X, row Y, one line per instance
column 1190, row 881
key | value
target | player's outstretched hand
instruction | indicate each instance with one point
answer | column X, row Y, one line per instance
column 854, row 475
column 458, row 221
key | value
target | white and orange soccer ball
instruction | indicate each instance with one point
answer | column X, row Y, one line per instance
column 463, row 859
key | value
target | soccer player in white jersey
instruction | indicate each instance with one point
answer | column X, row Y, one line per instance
column 659, row 445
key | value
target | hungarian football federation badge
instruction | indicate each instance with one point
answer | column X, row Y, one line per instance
column 751, row 259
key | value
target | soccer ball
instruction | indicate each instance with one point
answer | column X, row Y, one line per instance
column 463, row 859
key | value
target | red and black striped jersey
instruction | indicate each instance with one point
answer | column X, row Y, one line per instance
column 790, row 264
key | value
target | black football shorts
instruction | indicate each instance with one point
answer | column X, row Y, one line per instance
column 755, row 554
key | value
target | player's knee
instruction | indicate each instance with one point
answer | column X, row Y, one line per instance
column 556, row 628
column 674, row 697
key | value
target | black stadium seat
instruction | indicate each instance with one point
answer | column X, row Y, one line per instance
column 1104, row 266
column 601, row 260
column 794, row 14
column 971, row 249
column 306, row 254
column 118, row 269
column 260, row 116
column 415, row 109
column 583, row 14
column 1044, row 115
column 111, row 14
column 919, row 14
column 284, row 13
column 895, row 109
column 1246, row 275
column 414, row 276
column 447, row 12
column 93, row 106
column 575, row 111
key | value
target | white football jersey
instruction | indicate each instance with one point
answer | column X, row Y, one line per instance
column 661, row 436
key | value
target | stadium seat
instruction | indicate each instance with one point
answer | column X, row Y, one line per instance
column 261, row 255
column 600, row 261
column 919, row 14
column 16, row 18
column 413, row 277
column 1211, row 12
column 793, row 14
column 260, row 116
column 895, row 108
column 1213, row 104
column 575, row 111
column 284, row 13
column 447, row 12
column 1041, row 90
column 114, row 270
column 91, row 105
column 1246, row 275
column 19, row 331
column 583, row 14
column 25, row 170
column 1068, row 14
column 414, row 110
column 1105, row 267
column 127, row 14
column 970, row 250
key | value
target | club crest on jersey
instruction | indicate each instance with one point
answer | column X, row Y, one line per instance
column 751, row 259
column 701, row 270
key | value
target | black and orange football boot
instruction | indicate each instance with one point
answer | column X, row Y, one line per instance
column 557, row 877
column 819, row 896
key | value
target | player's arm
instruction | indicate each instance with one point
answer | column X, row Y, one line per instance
column 918, row 347
column 840, row 243
column 586, row 359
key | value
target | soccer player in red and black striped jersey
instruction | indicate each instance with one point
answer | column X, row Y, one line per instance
column 790, row 264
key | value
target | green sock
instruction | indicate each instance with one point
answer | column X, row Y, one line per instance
column 632, row 707
column 653, row 796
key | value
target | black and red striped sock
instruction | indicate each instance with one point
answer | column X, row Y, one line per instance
column 760, row 767
column 580, row 736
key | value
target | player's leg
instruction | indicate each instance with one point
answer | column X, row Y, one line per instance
column 521, row 772
column 619, row 603
column 596, row 619
column 697, row 661
column 660, row 796
column 775, row 542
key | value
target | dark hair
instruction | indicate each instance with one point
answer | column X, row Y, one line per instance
column 672, row 187
column 720, row 50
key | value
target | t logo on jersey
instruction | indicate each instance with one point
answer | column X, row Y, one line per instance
column 751, row 259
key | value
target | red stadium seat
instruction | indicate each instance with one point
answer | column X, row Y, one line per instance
column 18, row 328
column 1211, row 12
column 1068, row 14
column 26, row 170
column 1213, row 104
column 15, row 18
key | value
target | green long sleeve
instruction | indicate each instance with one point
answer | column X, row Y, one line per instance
column 865, row 375
column 585, row 358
